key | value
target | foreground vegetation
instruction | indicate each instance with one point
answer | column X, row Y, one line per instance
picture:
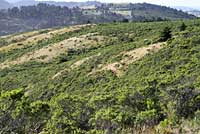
column 159, row 93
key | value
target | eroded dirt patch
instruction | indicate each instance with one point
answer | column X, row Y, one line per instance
column 128, row 57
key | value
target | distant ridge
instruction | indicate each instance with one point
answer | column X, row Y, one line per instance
column 193, row 11
column 74, row 13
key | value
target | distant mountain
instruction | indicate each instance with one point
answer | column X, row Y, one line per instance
column 189, row 10
column 49, row 15
column 183, row 8
column 194, row 12
column 4, row 4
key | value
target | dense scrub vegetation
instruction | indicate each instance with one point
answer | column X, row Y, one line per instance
column 157, row 94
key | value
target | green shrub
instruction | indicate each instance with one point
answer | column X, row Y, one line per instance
column 149, row 118
column 197, row 116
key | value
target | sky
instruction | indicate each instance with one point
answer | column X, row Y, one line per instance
column 187, row 3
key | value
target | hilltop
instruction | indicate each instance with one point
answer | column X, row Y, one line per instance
column 102, row 78
column 50, row 15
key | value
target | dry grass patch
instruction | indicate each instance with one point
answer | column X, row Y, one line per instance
column 17, row 38
column 48, row 53
column 34, row 39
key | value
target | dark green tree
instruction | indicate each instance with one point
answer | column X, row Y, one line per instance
column 165, row 34
column 125, row 20
column 182, row 27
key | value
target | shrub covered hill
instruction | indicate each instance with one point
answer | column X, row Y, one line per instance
column 122, row 78
column 26, row 18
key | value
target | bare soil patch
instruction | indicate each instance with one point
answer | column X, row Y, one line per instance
column 128, row 58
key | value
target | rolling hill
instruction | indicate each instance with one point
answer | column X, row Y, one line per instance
column 102, row 78
column 33, row 17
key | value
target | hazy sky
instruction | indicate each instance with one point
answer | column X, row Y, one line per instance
column 188, row 3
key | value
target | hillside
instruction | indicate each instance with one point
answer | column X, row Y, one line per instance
column 105, row 78
column 33, row 17
column 145, row 11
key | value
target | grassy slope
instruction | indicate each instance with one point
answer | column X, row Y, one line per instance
column 161, row 90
